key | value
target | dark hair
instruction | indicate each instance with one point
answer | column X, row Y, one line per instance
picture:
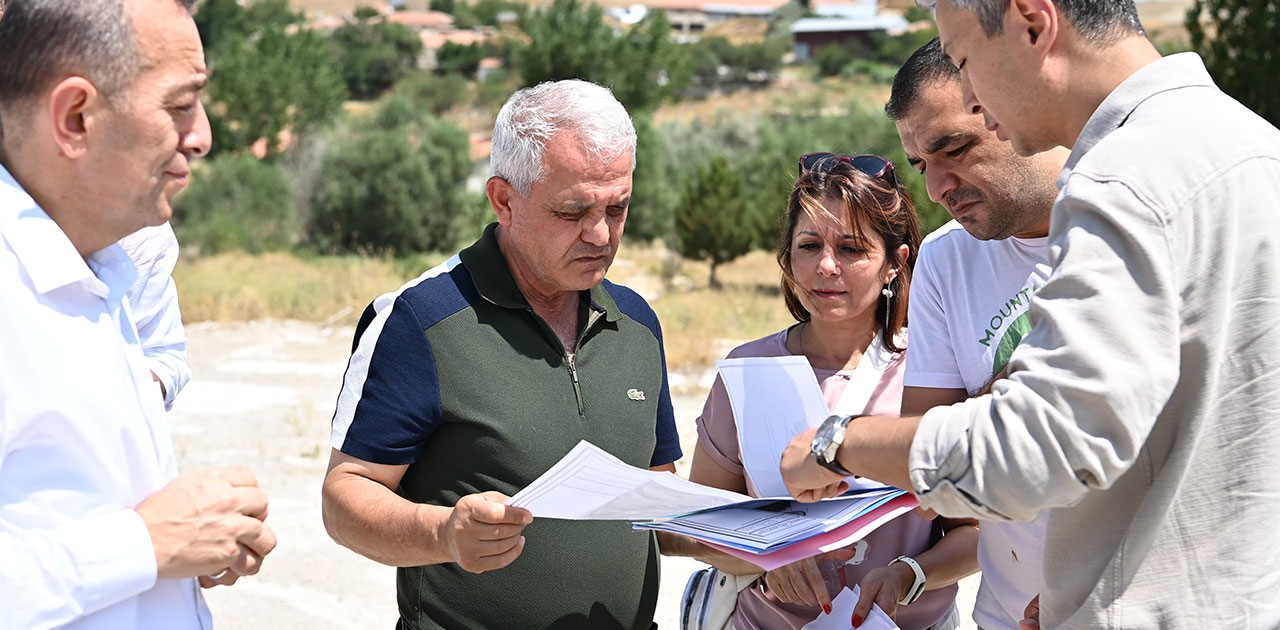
column 42, row 41
column 872, row 206
column 1101, row 21
column 925, row 66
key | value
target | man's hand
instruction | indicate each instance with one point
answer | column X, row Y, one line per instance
column 1031, row 620
column 801, row 582
column 882, row 586
column 805, row 479
column 209, row 523
column 481, row 534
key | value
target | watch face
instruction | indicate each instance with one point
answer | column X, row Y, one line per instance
column 822, row 441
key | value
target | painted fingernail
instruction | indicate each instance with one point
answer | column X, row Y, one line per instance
column 857, row 620
column 826, row 608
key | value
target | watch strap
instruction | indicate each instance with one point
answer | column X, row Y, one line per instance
column 917, row 587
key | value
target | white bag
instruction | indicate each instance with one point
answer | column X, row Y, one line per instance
column 710, row 598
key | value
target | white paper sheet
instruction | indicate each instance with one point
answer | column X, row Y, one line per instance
column 774, row 399
column 590, row 484
column 842, row 613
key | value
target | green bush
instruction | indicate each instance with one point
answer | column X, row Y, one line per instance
column 393, row 183
column 832, row 58
column 458, row 59
column 568, row 40
column 374, row 54
column 717, row 61
column 438, row 93
column 236, row 203
column 878, row 72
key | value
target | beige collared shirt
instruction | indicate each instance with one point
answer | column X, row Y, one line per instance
column 1144, row 406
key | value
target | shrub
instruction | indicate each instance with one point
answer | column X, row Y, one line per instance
column 394, row 183
column 236, row 203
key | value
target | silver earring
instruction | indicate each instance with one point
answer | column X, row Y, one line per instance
column 887, row 292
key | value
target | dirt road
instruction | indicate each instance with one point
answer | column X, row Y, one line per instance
column 261, row 395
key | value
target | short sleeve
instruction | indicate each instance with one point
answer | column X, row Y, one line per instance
column 667, row 445
column 390, row 399
column 930, row 358
column 718, row 431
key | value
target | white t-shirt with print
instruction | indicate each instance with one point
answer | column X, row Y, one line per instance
column 969, row 303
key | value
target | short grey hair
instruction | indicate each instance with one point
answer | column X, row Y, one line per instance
column 42, row 41
column 533, row 115
column 1100, row 21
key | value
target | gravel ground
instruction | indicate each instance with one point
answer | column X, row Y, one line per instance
column 261, row 395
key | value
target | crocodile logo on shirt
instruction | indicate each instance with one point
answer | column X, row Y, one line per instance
column 635, row 394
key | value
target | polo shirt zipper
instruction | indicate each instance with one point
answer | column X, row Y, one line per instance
column 577, row 388
column 573, row 366
column 569, row 357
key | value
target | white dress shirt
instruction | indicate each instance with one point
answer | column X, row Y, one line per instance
column 153, row 299
column 83, row 439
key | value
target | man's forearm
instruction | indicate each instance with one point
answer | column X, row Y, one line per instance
column 366, row 517
column 675, row 545
column 878, row 448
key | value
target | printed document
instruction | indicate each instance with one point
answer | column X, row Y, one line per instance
column 591, row 484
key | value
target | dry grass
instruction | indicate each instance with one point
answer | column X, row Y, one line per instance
column 699, row 323
column 238, row 287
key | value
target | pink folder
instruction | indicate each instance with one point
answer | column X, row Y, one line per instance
column 842, row 536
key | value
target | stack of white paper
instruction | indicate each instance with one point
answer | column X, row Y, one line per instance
column 590, row 484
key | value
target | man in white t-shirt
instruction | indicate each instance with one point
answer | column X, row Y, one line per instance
column 972, row 285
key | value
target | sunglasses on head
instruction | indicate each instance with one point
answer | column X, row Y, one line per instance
column 872, row 165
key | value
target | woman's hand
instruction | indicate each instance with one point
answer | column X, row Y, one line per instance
column 882, row 586
column 801, row 582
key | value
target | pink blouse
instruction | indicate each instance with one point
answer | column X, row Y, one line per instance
column 906, row 535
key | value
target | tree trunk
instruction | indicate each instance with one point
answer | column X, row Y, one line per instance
column 715, row 284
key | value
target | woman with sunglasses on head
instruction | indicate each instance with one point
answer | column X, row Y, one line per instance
column 846, row 253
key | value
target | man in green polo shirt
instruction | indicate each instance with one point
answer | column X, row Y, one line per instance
column 467, row 383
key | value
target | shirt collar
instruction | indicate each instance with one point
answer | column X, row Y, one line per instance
column 494, row 282
column 1165, row 74
column 48, row 257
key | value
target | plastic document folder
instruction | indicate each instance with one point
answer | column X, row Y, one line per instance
column 590, row 484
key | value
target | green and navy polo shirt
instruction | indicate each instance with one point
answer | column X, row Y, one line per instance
column 455, row 376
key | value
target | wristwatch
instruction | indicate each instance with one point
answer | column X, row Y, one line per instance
column 917, row 587
column 826, row 443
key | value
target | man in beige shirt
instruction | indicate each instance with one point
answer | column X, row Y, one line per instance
column 1142, row 404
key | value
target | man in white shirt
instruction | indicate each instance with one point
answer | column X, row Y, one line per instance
column 99, row 114
column 1142, row 404
column 153, row 299
column 972, row 286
